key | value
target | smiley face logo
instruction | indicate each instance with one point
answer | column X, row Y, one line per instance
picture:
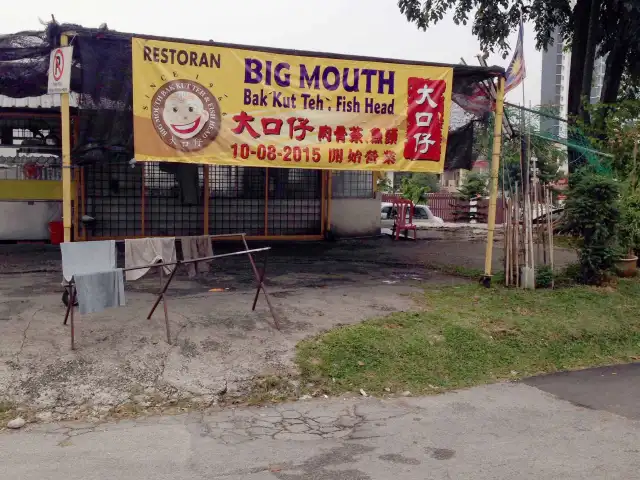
column 185, row 115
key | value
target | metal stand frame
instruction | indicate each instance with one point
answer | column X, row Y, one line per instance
column 164, row 286
column 71, row 288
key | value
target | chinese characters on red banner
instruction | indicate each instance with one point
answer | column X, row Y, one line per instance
column 425, row 117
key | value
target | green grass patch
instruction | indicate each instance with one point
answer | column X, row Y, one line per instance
column 460, row 271
column 467, row 335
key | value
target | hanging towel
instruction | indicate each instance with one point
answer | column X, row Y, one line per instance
column 87, row 257
column 197, row 247
column 99, row 290
column 146, row 251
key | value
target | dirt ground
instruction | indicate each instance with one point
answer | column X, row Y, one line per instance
column 218, row 344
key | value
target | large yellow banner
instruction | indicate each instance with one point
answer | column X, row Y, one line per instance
column 230, row 106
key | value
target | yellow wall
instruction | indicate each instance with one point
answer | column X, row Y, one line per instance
column 31, row 189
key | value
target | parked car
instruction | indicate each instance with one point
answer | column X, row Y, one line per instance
column 420, row 213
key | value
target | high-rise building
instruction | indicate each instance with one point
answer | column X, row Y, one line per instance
column 598, row 78
column 554, row 86
column 554, row 83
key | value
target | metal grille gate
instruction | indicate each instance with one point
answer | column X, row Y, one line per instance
column 147, row 200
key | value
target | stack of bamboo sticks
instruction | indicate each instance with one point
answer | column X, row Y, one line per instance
column 528, row 234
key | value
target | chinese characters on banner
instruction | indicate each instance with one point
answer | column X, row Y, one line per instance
column 424, row 119
column 224, row 106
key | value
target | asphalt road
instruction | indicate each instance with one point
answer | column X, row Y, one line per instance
column 502, row 431
column 615, row 389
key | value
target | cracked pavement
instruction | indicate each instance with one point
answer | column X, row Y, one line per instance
column 122, row 361
column 495, row 432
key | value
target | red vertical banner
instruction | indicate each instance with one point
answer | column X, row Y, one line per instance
column 425, row 119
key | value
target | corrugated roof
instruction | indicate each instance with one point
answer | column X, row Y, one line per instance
column 43, row 101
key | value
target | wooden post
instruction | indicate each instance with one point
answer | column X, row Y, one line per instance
column 66, row 156
column 495, row 169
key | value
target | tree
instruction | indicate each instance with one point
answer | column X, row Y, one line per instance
column 493, row 20
column 613, row 24
column 548, row 157
column 629, row 87
column 620, row 40
column 416, row 186
column 617, row 133
column 385, row 185
column 593, row 213
column 428, row 180
column 474, row 186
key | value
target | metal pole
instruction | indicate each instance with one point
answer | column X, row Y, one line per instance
column 66, row 155
column 495, row 169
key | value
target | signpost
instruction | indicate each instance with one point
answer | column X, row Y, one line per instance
column 60, row 83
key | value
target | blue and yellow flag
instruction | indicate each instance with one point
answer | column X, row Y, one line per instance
column 517, row 70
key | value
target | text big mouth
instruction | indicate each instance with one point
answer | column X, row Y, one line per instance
column 188, row 127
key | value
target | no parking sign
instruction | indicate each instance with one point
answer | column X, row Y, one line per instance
column 60, row 70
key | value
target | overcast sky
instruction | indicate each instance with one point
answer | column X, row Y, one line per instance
column 360, row 27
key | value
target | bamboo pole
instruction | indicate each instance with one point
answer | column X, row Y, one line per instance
column 525, row 226
column 514, row 243
column 535, row 228
column 517, row 236
column 495, row 168
column 66, row 154
column 529, row 207
column 505, row 242
column 545, row 232
column 509, row 238
column 505, row 232
column 530, row 240
column 506, row 246
column 550, row 223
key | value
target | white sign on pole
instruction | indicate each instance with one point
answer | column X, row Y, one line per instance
column 60, row 70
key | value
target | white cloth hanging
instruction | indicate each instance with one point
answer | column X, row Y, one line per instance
column 146, row 251
column 87, row 257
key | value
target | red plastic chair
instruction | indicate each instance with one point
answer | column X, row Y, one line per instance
column 404, row 218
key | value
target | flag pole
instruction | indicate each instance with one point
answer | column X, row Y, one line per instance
column 495, row 169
